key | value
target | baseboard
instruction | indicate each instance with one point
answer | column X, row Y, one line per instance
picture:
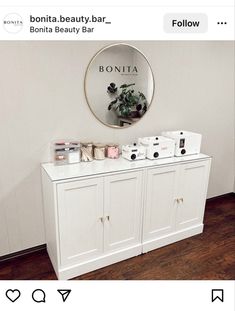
column 53, row 260
column 23, row 252
column 171, row 238
column 228, row 195
column 97, row 263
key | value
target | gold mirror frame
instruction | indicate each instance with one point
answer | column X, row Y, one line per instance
column 85, row 84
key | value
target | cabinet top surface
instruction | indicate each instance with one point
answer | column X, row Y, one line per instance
column 96, row 167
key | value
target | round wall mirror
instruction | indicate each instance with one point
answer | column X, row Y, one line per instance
column 119, row 85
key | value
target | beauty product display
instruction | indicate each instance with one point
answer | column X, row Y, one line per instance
column 134, row 152
column 87, row 152
column 158, row 147
column 99, row 151
column 169, row 144
column 112, row 151
column 66, row 152
column 186, row 143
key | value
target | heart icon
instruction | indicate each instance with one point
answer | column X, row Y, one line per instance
column 13, row 294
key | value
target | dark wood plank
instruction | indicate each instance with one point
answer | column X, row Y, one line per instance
column 210, row 255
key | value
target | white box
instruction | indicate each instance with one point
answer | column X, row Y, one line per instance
column 134, row 152
column 186, row 143
column 158, row 147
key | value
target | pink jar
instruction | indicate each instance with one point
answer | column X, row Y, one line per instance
column 112, row 151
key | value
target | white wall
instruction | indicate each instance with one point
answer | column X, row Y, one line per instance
column 42, row 98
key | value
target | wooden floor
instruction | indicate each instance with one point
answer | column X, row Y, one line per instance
column 210, row 255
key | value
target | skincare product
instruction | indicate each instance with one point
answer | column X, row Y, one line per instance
column 112, row 151
column 87, row 152
column 99, row 151
column 74, row 155
column 65, row 152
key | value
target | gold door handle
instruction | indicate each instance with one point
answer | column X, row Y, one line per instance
column 102, row 219
column 178, row 200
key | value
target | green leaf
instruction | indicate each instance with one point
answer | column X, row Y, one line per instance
column 142, row 96
column 114, row 101
column 126, row 85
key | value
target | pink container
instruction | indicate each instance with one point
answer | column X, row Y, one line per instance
column 112, row 151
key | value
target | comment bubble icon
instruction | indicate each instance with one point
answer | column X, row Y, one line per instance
column 38, row 295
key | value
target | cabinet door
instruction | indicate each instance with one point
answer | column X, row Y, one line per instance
column 123, row 205
column 192, row 194
column 80, row 208
column 159, row 213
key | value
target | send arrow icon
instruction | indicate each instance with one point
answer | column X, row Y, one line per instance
column 64, row 293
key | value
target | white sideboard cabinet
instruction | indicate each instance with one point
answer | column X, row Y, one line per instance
column 103, row 212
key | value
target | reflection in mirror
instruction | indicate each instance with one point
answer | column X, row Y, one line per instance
column 119, row 85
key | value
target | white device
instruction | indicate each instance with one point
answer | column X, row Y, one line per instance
column 134, row 152
column 186, row 143
column 158, row 147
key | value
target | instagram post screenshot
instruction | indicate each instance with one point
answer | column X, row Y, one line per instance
column 117, row 162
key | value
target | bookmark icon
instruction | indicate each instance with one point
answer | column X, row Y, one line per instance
column 217, row 294
column 64, row 293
